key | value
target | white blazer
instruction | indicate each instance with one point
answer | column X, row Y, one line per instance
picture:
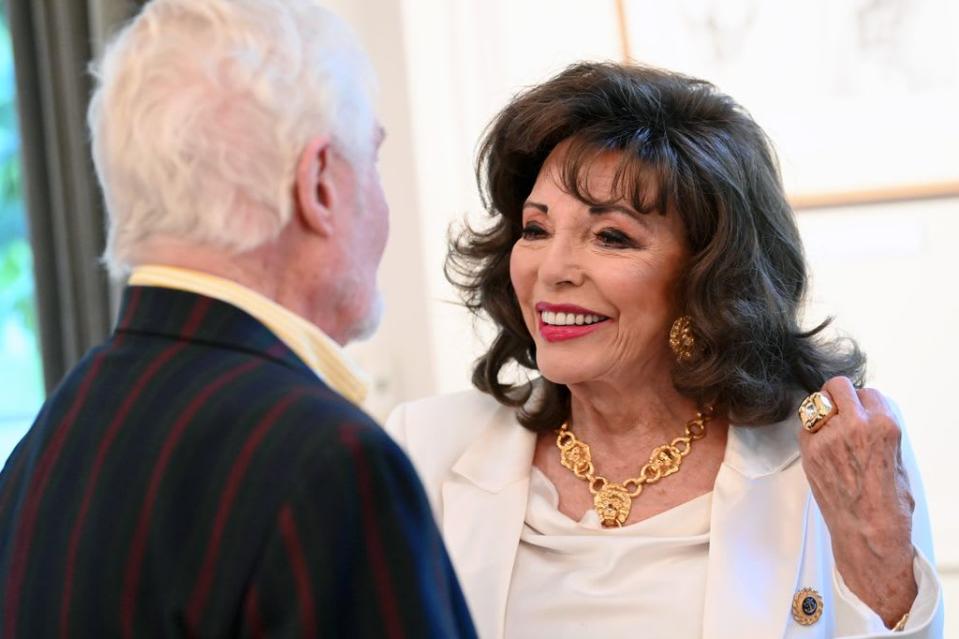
column 767, row 537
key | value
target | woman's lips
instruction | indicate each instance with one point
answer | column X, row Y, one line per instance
column 559, row 322
column 561, row 333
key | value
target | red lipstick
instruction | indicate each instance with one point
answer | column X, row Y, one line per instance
column 552, row 333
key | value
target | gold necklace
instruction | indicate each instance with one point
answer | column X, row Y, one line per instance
column 611, row 500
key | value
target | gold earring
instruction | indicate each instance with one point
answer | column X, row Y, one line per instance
column 681, row 338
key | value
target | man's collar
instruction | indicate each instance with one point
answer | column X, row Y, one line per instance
column 316, row 349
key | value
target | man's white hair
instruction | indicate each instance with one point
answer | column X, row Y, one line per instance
column 202, row 108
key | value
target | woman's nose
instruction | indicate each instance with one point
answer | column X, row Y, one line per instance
column 561, row 265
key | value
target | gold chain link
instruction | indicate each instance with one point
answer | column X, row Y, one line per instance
column 612, row 500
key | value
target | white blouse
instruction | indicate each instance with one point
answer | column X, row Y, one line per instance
column 577, row 579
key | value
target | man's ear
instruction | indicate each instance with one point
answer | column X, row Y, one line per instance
column 316, row 194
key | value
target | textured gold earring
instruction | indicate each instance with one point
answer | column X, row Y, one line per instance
column 681, row 338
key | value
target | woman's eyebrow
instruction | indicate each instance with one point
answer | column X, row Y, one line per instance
column 620, row 208
column 594, row 210
column 536, row 205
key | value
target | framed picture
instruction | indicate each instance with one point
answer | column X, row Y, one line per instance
column 860, row 97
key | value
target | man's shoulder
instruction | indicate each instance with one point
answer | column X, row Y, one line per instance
column 315, row 410
column 306, row 436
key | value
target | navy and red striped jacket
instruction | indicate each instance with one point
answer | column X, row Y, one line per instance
column 191, row 477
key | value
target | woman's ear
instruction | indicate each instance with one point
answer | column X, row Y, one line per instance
column 316, row 195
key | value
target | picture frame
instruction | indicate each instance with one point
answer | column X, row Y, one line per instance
column 857, row 97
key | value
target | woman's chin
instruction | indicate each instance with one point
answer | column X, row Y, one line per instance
column 566, row 373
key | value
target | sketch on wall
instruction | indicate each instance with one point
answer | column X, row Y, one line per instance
column 858, row 96
column 897, row 44
column 722, row 26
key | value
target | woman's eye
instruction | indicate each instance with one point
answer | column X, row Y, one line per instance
column 612, row 237
column 533, row 231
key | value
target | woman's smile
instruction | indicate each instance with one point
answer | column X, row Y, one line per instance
column 560, row 322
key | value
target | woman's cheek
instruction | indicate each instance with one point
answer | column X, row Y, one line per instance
column 519, row 272
column 520, row 287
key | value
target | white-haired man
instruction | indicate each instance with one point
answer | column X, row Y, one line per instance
column 206, row 472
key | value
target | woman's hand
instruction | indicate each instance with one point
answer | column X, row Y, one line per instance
column 854, row 466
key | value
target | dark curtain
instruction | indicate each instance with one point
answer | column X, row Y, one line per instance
column 53, row 42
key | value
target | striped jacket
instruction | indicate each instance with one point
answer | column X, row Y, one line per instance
column 191, row 477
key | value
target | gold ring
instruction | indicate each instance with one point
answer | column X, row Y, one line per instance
column 815, row 410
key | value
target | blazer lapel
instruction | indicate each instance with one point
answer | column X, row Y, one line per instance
column 757, row 532
column 484, row 507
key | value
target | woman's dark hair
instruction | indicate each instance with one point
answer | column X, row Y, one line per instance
column 683, row 147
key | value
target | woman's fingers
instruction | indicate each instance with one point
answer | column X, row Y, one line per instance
column 873, row 401
column 844, row 397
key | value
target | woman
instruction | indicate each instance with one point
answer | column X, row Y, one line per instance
column 656, row 480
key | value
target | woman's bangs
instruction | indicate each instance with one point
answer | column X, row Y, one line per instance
column 643, row 182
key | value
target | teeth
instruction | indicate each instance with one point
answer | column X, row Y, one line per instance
column 569, row 319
